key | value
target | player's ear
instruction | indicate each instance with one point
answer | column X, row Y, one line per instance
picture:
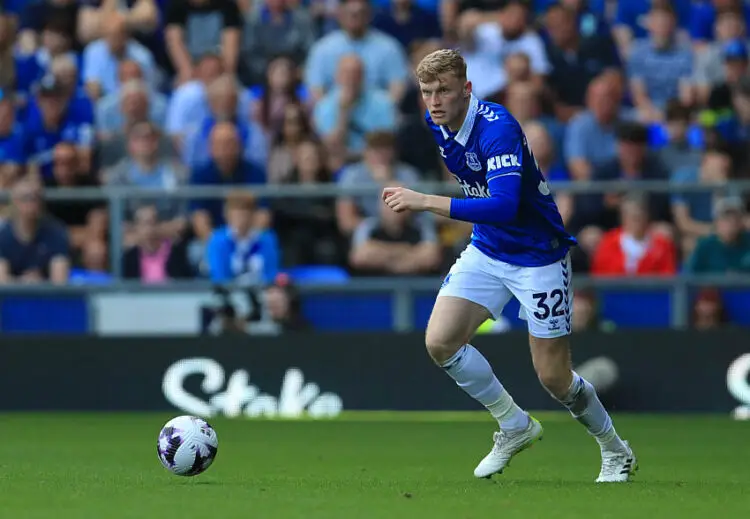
column 468, row 87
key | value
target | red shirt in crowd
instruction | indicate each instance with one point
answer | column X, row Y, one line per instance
column 619, row 254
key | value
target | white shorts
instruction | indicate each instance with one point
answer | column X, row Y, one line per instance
column 544, row 292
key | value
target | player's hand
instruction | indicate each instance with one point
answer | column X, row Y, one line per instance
column 401, row 199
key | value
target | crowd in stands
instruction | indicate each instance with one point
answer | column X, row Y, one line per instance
column 158, row 94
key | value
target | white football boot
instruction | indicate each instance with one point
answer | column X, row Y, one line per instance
column 506, row 446
column 618, row 466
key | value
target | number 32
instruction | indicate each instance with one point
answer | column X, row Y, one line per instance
column 541, row 298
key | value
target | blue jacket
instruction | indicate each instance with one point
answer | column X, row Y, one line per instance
column 255, row 262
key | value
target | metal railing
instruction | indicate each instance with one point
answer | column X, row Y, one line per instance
column 403, row 289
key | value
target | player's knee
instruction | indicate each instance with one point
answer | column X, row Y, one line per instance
column 555, row 380
column 441, row 348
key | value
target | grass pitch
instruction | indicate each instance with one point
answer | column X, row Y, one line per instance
column 378, row 465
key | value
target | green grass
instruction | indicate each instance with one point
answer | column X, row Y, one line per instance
column 379, row 465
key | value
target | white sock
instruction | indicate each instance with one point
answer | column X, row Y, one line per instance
column 473, row 374
column 585, row 406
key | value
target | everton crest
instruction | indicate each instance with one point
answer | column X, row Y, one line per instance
column 473, row 162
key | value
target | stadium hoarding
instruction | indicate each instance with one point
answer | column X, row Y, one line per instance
column 321, row 375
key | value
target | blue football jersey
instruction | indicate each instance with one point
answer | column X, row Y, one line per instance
column 490, row 145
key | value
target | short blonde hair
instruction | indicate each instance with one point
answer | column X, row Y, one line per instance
column 443, row 61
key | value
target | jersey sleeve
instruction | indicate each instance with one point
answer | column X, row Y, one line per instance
column 503, row 149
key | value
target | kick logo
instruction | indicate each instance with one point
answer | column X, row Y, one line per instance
column 503, row 161
column 296, row 398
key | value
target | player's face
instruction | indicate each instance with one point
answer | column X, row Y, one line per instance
column 447, row 99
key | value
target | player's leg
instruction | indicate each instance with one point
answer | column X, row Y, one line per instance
column 546, row 301
column 471, row 294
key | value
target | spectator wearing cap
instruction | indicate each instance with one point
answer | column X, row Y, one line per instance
column 53, row 117
column 352, row 110
column 735, row 59
column 242, row 251
column 659, row 68
column 491, row 40
column 12, row 153
column 102, row 58
column 276, row 28
column 33, row 246
column 226, row 166
column 590, row 137
column 692, row 211
column 634, row 248
column 384, row 63
column 709, row 69
column 633, row 162
column 727, row 250
column 575, row 59
column 379, row 166
column 407, row 22
column 198, row 27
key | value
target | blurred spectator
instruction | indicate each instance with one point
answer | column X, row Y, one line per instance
column 524, row 100
column 407, row 22
column 545, row 153
column 395, row 243
column 590, row 138
column 277, row 28
column 678, row 152
column 12, row 153
column 384, row 62
column 307, row 226
column 380, row 166
column 486, row 43
column 154, row 258
column 704, row 15
column 93, row 265
column 693, row 211
column 295, row 128
column 659, row 68
column 634, row 248
column 133, row 103
column 741, row 110
column 198, row 27
column 33, row 245
column 141, row 17
column 73, row 213
column 242, row 251
column 632, row 22
column 735, row 59
column 53, row 117
column 352, row 110
column 708, row 69
column 708, row 310
column 587, row 313
column 145, row 168
column 284, row 305
column 281, row 87
column 223, row 100
column 225, row 167
column 633, row 162
column 102, row 58
column 36, row 15
column 54, row 42
column 728, row 249
column 575, row 59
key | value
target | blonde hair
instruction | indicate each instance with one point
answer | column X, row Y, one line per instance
column 443, row 61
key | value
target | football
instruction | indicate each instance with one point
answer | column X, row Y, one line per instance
column 187, row 445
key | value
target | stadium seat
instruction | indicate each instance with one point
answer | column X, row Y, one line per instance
column 318, row 275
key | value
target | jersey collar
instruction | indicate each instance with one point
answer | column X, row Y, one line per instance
column 462, row 136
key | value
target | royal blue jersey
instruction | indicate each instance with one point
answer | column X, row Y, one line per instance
column 490, row 149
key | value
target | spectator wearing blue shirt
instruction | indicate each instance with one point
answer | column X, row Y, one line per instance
column 12, row 153
column 352, row 110
column 135, row 102
column 54, row 117
column 225, row 167
column 407, row 22
column 659, row 68
column 703, row 15
column 102, row 57
column 242, row 251
column 631, row 19
column 223, row 102
column 385, row 63
column 33, row 246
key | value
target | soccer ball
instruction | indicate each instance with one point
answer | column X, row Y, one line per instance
column 187, row 446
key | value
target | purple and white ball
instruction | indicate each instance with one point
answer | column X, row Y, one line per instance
column 187, row 445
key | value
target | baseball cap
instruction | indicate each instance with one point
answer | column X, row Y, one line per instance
column 728, row 205
column 735, row 50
